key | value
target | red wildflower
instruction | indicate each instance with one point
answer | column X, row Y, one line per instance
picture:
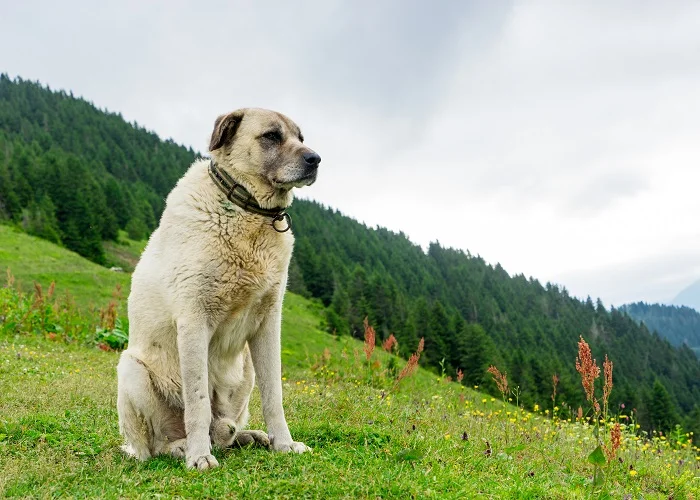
column 390, row 343
column 607, row 375
column 501, row 379
column 412, row 364
column 369, row 339
column 587, row 367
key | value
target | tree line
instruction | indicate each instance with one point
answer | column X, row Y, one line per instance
column 74, row 174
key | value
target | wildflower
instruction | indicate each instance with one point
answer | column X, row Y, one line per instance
column 460, row 376
column 633, row 472
column 607, row 375
column 579, row 413
column 500, row 379
column 369, row 339
column 412, row 364
column 390, row 343
column 615, row 442
column 589, row 370
column 555, row 382
column 536, row 407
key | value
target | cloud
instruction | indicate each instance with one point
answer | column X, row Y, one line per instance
column 557, row 138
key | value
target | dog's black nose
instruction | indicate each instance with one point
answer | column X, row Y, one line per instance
column 312, row 158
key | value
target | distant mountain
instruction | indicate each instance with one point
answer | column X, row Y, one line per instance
column 679, row 324
column 689, row 297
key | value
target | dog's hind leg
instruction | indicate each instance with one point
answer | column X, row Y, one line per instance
column 131, row 396
column 148, row 424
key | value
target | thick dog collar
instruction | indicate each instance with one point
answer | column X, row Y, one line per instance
column 238, row 195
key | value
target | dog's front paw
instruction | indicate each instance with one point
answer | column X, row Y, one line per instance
column 202, row 462
column 291, row 446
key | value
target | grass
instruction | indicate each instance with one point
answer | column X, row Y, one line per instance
column 425, row 438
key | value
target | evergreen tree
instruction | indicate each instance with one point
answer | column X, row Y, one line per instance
column 436, row 341
column 295, row 279
column 660, row 408
column 475, row 352
column 39, row 219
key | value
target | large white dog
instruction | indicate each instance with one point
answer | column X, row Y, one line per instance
column 206, row 297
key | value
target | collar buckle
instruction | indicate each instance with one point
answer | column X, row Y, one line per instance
column 284, row 216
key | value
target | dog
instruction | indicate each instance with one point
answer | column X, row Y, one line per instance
column 205, row 305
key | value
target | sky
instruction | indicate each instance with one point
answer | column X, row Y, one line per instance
column 559, row 139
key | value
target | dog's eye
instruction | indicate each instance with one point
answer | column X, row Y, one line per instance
column 273, row 135
column 301, row 138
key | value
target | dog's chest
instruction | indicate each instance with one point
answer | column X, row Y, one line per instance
column 253, row 303
column 252, row 285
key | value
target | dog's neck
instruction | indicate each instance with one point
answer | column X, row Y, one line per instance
column 263, row 198
column 237, row 193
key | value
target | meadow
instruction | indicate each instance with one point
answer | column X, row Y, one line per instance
column 379, row 426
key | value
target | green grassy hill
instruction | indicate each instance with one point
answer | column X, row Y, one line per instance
column 423, row 437
column 32, row 259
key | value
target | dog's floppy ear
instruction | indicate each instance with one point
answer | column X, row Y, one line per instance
column 224, row 129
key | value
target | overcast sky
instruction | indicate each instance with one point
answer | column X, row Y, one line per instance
column 561, row 139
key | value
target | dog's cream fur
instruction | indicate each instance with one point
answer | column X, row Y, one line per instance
column 206, row 298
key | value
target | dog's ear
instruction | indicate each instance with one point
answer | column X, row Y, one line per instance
column 224, row 129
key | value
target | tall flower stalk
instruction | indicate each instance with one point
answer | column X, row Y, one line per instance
column 501, row 380
column 589, row 371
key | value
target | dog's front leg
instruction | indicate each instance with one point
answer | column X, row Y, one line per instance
column 265, row 349
column 193, row 348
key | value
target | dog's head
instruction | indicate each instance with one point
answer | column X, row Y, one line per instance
column 265, row 145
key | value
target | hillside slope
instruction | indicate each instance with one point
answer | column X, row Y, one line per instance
column 31, row 259
column 74, row 174
column 64, row 158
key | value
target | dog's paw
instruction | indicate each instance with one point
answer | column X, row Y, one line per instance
column 202, row 462
column 258, row 438
column 177, row 448
column 223, row 432
column 292, row 446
